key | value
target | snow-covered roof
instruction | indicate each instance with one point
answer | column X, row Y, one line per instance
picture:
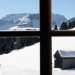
column 66, row 53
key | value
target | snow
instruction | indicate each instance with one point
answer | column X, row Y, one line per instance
column 66, row 53
column 16, row 28
column 25, row 61
column 20, row 22
column 57, row 28
column 57, row 71
column 24, row 18
column 62, row 43
column 72, row 29
column 14, row 17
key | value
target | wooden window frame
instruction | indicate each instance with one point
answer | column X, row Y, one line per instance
column 57, row 33
column 45, row 35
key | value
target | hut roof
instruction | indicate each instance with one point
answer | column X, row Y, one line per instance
column 66, row 53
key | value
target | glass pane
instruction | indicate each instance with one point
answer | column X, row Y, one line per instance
column 63, row 55
column 20, row 55
column 19, row 15
column 63, row 15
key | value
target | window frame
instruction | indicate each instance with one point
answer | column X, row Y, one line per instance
column 44, row 34
column 57, row 33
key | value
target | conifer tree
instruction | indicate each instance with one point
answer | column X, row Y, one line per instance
column 63, row 26
column 55, row 28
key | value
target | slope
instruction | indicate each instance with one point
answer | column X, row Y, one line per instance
column 25, row 61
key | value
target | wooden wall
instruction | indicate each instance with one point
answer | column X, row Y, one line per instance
column 68, row 63
column 63, row 62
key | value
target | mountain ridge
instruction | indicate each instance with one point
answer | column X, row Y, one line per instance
column 22, row 20
column 57, row 19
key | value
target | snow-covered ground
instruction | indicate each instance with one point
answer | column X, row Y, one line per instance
column 25, row 61
column 72, row 29
column 16, row 28
column 57, row 28
column 68, row 29
column 62, row 43
column 57, row 71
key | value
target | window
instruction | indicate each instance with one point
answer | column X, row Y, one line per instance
column 64, row 33
column 45, row 35
column 20, row 15
column 20, row 53
column 24, row 33
column 62, row 17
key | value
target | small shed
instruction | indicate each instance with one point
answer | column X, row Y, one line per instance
column 64, row 59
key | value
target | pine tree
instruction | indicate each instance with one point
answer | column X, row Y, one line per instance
column 55, row 28
column 71, row 25
column 63, row 26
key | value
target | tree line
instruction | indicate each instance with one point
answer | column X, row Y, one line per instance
column 8, row 44
column 66, row 25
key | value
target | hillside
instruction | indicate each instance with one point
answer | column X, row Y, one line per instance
column 57, row 19
column 25, row 61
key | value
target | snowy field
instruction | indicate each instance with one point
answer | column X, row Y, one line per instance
column 25, row 61
column 16, row 28
column 62, row 43
column 72, row 29
column 66, row 30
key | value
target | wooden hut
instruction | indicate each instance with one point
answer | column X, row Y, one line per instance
column 64, row 59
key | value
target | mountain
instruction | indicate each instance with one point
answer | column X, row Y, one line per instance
column 71, row 23
column 26, row 21
column 70, row 20
column 20, row 21
column 57, row 19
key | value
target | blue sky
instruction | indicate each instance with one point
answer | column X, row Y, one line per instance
column 64, row 7
column 18, row 6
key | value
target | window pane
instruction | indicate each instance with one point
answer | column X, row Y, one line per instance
column 20, row 15
column 63, row 55
column 63, row 15
column 20, row 55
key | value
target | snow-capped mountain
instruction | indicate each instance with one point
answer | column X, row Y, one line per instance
column 15, row 21
column 57, row 19
column 70, row 20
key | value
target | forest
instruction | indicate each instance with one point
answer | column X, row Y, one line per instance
column 66, row 25
column 7, row 44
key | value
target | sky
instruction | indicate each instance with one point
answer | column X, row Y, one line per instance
column 18, row 6
column 64, row 7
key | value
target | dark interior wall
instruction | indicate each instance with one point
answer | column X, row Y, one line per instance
column 8, row 44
